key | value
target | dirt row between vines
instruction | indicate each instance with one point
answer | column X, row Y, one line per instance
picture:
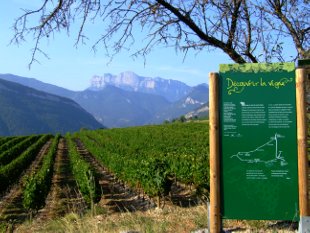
column 64, row 195
column 62, row 198
column 119, row 198
column 116, row 196
column 11, row 207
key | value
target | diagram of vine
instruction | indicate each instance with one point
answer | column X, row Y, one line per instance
column 268, row 153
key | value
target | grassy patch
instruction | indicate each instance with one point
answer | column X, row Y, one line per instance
column 258, row 226
column 170, row 219
column 3, row 227
column 167, row 220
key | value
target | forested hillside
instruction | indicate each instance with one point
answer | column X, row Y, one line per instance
column 25, row 111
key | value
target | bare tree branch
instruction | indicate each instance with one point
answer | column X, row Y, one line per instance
column 245, row 30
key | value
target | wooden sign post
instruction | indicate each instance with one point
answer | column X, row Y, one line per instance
column 215, row 218
column 302, row 131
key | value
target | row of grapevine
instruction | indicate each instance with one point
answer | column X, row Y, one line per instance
column 11, row 153
column 4, row 140
column 37, row 185
column 148, row 157
column 151, row 156
column 8, row 142
column 150, row 173
column 83, row 173
column 10, row 172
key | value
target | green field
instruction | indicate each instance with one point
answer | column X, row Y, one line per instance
column 151, row 156
column 43, row 176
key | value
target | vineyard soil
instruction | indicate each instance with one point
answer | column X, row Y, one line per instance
column 64, row 195
column 115, row 195
column 11, row 207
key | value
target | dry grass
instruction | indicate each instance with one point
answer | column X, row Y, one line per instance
column 255, row 226
column 169, row 219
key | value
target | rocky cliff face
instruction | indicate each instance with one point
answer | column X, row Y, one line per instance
column 172, row 90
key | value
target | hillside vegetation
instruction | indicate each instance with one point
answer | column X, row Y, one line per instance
column 27, row 111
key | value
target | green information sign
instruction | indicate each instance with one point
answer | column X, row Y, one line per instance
column 258, row 142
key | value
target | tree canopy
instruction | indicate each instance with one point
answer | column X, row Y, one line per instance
column 245, row 30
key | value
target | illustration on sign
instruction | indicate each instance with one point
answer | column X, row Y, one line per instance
column 263, row 154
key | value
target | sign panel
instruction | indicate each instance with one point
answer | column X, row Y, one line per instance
column 258, row 142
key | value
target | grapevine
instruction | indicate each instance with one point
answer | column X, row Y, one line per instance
column 152, row 157
column 10, row 172
column 85, row 176
column 37, row 185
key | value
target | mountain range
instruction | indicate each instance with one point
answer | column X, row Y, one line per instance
column 128, row 99
column 25, row 111
column 170, row 89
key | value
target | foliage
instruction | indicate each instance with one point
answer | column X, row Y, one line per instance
column 38, row 184
column 84, row 174
column 8, row 142
column 4, row 140
column 10, row 172
column 148, row 157
column 151, row 156
column 246, row 31
column 14, row 151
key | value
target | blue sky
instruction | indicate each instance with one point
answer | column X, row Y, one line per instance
column 72, row 67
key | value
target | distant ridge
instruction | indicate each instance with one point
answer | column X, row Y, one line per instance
column 194, row 100
column 38, row 85
column 25, row 111
column 115, row 107
column 172, row 90
column 128, row 99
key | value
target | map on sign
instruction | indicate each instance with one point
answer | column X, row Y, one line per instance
column 268, row 153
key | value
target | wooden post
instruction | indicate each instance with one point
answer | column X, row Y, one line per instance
column 215, row 219
column 302, row 129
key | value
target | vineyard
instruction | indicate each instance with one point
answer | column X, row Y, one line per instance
column 131, row 169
